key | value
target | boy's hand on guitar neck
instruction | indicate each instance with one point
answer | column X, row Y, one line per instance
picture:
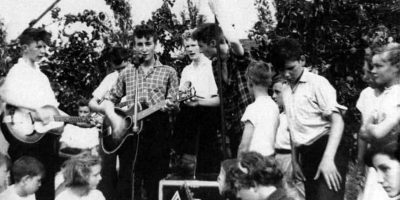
column 169, row 106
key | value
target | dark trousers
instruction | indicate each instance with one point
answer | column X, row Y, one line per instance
column 196, row 134
column 151, row 163
column 46, row 151
column 310, row 158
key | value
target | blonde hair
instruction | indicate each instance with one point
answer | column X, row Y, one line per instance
column 188, row 34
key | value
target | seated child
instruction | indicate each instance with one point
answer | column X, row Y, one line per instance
column 27, row 173
column 81, row 136
column 81, row 177
column 225, row 190
column 5, row 165
column 257, row 178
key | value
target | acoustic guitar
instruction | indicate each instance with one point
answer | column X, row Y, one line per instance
column 111, row 140
column 26, row 126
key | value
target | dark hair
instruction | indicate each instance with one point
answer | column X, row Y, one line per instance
column 208, row 32
column 278, row 79
column 26, row 166
column 116, row 55
column 392, row 150
column 34, row 35
column 145, row 31
column 260, row 73
column 284, row 50
column 5, row 160
column 83, row 103
column 78, row 169
column 254, row 169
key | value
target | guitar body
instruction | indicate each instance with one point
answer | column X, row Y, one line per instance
column 111, row 140
column 23, row 124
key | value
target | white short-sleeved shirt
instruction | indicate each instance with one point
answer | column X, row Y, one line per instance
column 380, row 106
column 11, row 194
column 78, row 137
column 28, row 87
column 308, row 107
column 106, row 85
column 282, row 139
column 201, row 77
column 67, row 194
column 263, row 113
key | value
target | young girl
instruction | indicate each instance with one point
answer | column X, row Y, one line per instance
column 386, row 161
column 82, row 175
column 225, row 190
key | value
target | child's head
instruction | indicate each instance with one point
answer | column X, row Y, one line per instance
column 223, row 185
column 259, row 74
column 83, row 108
column 252, row 173
column 191, row 45
column 116, row 57
column 82, row 171
column 28, row 173
column 287, row 57
column 208, row 36
column 386, row 161
column 277, row 90
column 5, row 165
column 386, row 65
column 145, row 40
column 34, row 42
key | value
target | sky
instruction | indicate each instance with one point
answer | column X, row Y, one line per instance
column 17, row 14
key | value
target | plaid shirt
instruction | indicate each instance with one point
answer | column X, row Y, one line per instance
column 234, row 90
column 159, row 83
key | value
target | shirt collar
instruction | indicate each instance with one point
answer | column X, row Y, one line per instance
column 305, row 77
column 24, row 62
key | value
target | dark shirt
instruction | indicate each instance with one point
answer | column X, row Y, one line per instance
column 235, row 93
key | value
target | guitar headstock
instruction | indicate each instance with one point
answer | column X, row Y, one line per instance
column 186, row 94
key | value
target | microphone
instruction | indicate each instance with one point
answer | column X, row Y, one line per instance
column 137, row 58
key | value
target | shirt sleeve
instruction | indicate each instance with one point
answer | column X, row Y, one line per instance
column 118, row 90
column 212, row 84
column 326, row 98
column 250, row 115
column 360, row 105
column 102, row 90
column 184, row 78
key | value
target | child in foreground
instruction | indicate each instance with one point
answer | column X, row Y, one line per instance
column 27, row 173
column 82, row 175
column 5, row 165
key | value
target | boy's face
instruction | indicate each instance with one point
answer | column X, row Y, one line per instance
column 146, row 47
column 292, row 70
column 192, row 48
column 388, row 173
column 383, row 73
column 31, row 184
column 35, row 51
column 83, row 111
column 366, row 75
column 277, row 93
column 95, row 176
column 210, row 49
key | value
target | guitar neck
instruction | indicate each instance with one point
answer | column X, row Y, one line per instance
column 146, row 112
column 70, row 119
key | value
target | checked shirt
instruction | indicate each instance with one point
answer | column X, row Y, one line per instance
column 159, row 83
column 234, row 90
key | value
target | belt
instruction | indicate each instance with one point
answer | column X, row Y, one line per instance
column 283, row 151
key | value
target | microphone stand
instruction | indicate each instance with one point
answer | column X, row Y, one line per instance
column 137, row 60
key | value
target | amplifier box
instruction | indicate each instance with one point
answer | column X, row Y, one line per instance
column 188, row 190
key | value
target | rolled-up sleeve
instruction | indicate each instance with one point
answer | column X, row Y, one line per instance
column 118, row 90
column 327, row 99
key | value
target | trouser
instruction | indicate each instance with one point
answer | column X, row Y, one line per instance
column 151, row 164
column 284, row 163
column 196, row 134
column 45, row 150
column 310, row 158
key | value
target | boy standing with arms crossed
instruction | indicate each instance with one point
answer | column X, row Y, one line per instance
column 315, row 123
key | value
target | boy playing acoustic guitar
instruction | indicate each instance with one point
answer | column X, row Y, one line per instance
column 27, row 87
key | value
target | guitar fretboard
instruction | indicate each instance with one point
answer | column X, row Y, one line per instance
column 70, row 119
